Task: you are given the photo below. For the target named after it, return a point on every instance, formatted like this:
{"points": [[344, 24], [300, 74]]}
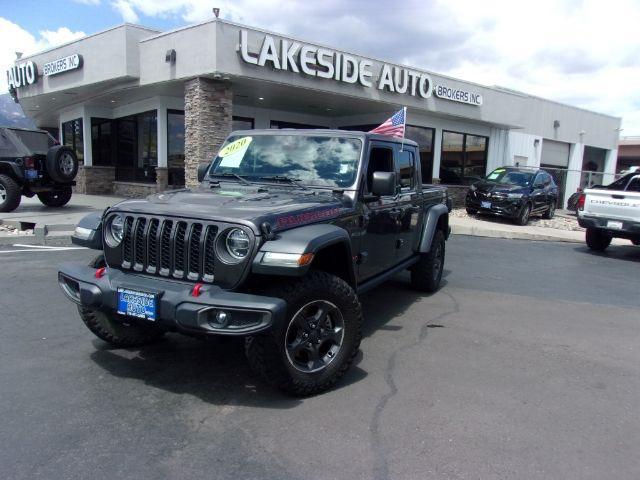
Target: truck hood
{"points": [[280, 207]]}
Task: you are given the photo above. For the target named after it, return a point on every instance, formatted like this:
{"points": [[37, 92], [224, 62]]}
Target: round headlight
{"points": [[238, 243], [115, 230]]}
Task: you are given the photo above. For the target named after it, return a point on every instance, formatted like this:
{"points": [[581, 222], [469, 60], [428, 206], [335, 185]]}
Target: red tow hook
{"points": [[100, 272], [196, 290]]}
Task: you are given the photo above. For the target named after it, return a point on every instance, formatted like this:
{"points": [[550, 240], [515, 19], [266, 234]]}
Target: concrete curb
{"points": [[495, 233], [39, 237]]}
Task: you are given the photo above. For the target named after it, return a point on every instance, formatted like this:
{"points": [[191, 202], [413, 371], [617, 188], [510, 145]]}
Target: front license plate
{"points": [[614, 225], [485, 204], [137, 304]]}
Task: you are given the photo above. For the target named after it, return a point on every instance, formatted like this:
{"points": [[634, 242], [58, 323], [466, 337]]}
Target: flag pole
{"points": [[404, 128]]}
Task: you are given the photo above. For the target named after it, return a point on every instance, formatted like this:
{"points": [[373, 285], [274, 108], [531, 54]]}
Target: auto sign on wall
{"points": [[61, 65], [457, 95]]}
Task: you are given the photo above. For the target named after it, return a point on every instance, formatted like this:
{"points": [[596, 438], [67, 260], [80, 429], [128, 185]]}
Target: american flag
{"points": [[393, 126]]}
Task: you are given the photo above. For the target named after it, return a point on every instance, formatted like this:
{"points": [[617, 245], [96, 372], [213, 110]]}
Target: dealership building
{"points": [[143, 108]]}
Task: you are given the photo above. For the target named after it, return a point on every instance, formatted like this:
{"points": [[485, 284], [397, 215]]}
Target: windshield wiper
{"points": [[243, 180], [284, 178]]}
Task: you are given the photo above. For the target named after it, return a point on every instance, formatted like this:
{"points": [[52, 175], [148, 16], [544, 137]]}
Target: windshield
{"points": [[36, 142], [510, 177], [312, 160]]}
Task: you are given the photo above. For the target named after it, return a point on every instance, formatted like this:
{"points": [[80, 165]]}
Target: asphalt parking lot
{"points": [[526, 364]]}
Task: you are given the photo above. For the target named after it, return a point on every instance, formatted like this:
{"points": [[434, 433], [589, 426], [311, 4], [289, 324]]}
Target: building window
{"points": [[242, 123], [137, 147], [463, 159], [175, 147], [101, 139], [72, 137], [423, 136]]}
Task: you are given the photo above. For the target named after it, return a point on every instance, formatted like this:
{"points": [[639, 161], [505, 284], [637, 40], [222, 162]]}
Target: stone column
{"points": [[162, 178], [207, 120]]}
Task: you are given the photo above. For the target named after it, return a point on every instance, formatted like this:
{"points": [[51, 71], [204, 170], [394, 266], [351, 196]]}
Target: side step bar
{"points": [[384, 276]]}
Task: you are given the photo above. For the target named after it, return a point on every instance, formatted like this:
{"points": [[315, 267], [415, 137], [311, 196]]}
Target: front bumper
{"points": [[503, 207], [629, 230], [177, 309]]}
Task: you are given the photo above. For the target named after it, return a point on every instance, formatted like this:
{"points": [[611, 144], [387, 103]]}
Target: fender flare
{"points": [[92, 239], [307, 239], [13, 170], [431, 219]]}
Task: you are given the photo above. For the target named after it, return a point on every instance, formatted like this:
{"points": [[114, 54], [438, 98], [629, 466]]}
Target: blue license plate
{"points": [[31, 174], [485, 204], [137, 304]]}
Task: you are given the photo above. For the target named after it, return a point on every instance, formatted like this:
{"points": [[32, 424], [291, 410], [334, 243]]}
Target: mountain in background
{"points": [[12, 115]]}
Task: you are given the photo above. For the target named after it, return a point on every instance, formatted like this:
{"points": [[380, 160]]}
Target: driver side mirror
{"points": [[202, 171], [383, 184]]}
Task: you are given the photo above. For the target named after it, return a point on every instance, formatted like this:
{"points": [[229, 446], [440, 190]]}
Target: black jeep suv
{"points": [[32, 163], [515, 193], [285, 230]]}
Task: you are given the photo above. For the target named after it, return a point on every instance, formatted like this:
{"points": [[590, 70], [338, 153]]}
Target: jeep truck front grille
{"points": [[178, 249]]}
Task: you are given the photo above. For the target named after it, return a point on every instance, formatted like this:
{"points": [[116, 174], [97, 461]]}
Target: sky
{"points": [[584, 53]]}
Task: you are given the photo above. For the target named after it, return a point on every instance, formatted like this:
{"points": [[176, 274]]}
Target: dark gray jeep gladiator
{"points": [[284, 232]]}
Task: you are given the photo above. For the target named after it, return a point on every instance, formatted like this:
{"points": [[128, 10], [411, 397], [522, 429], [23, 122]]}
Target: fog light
{"points": [[220, 320]]}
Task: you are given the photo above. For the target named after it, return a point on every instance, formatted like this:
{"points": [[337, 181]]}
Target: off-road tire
{"points": [[523, 216], [62, 164], [115, 330], [267, 353], [550, 212], [56, 198], [11, 192], [472, 211], [427, 273], [597, 239]]}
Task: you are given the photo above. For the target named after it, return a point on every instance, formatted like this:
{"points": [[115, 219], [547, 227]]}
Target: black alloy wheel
{"points": [[314, 336]]}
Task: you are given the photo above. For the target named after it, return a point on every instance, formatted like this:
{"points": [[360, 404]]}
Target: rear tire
{"points": [[523, 217], [317, 343], [551, 211], [56, 198], [427, 273], [10, 194], [472, 211], [597, 239]]}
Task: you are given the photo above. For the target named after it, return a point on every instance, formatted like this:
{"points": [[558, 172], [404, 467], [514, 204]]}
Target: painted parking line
{"points": [[39, 248]]}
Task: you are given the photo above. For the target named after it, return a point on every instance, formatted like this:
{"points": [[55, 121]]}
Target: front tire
{"points": [[56, 198], [10, 194], [317, 343], [427, 273], [597, 239], [115, 330]]}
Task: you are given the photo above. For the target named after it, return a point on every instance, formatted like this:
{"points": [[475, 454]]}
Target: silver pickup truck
{"points": [[611, 212]]}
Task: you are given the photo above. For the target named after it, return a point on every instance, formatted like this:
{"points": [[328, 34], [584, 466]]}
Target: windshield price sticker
{"points": [[494, 175], [233, 153]]}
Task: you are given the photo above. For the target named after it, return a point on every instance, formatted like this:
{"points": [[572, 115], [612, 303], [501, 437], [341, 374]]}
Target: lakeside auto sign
{"points": [[325, 63], [26, 73]]}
